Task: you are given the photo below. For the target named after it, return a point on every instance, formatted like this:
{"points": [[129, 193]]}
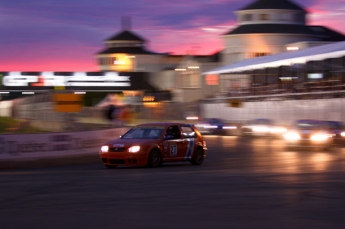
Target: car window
{"points": [[310, 125], [173, 131], [335, 125], [188, 132], [144, 133]]}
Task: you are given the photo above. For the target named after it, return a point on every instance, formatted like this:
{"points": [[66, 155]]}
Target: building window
{"points": [[258, 54], [189, 80], [264, 17], [247, 17]]}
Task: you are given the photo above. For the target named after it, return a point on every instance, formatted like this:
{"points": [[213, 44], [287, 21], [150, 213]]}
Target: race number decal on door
{"points": [[173, 150]]}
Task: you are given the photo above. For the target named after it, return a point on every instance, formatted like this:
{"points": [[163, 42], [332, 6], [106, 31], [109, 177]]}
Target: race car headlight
{"points": [[134, 149], [292, 136], [319, 137], [104, 149]]}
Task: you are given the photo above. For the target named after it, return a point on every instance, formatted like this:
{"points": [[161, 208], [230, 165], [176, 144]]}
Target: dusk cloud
{"points": [[65, 34]]}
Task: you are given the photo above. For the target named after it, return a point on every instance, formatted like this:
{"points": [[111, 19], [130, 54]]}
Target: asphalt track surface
{"points": [[243, 183]]}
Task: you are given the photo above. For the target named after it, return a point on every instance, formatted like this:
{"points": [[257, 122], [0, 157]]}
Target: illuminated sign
{"points": [[293, 48], [122, 62], [78, 79], [68, 102], [119, 62], [212, 80], [315, 76]]}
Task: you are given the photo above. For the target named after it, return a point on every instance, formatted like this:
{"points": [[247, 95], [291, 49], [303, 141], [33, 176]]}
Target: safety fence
{"points": [[284, 109], [38, 111]]}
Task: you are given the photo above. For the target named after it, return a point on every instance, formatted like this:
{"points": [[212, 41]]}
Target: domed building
{"points": [[265, 28], [268, 27]]}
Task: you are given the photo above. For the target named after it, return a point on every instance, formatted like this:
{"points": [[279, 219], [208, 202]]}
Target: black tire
{"points": [[198, 157], [155, 159], [111, 166]]}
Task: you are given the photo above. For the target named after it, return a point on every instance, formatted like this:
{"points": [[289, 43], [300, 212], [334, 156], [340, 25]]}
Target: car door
{"points": [[173, 145], [188, 141]]}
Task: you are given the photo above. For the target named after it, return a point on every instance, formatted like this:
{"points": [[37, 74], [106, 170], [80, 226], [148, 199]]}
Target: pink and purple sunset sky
{"points": [[65, 35]]}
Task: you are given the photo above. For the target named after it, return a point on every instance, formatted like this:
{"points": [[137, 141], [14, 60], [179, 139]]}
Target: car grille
{"points": [[305, 136], [117, 149], [116, 161]]}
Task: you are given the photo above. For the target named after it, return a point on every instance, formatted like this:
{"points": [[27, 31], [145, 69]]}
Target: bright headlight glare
{"points": [[261, 129], [342, 134], [134, 149], [278, 130], [104, 149], [319, 137], [230, 127], [210, 127], [292, 136]]}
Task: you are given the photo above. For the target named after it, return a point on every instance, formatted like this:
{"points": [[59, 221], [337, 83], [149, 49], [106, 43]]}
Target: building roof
{"points": [[327, 33], [126, 35], [272, 28], [273, 4], [323, 33], [334, 50], [128, 50]]}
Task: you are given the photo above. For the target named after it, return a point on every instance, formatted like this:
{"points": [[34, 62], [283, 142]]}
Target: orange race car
{"points": [[151, 144]]}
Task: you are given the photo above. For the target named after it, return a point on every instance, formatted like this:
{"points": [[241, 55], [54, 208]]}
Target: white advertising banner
{"points": [[35, 146]]}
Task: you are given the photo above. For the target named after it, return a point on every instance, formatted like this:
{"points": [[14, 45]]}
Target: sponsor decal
{"points": [[78, 79], [189, 149], [173, 150]]}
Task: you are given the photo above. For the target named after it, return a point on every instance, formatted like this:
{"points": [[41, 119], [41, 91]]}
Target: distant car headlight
{"points": [[292, 136], [104, 149], [230, 127], [261, 129], [342, 134], [134, 149], [278, 130], [210, 126], [319, 137]]}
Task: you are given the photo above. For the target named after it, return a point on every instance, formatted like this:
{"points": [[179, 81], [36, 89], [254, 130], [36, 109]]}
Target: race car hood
{"points": [[130, 142]]}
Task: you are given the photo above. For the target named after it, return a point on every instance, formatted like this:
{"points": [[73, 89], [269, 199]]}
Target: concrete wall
{"points": [[6, 108], [283, 112]]}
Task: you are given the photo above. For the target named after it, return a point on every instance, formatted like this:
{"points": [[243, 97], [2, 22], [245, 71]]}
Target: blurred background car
{"points": [[308, 134], [215, 126], [262, 127], [337, 130]]}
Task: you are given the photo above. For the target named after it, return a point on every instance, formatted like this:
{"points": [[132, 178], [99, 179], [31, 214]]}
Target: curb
{"points": [[50, 162]]}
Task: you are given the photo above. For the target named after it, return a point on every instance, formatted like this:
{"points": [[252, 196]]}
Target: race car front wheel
{"points": [[155, 159], [198, 157]]}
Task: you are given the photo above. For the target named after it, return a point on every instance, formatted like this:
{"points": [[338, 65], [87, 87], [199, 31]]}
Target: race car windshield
{"points": [[143, 133], [309, 126]]}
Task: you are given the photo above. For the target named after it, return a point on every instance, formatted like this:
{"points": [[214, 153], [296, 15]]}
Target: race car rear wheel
{"points": [[198, 157], [155, 159]]}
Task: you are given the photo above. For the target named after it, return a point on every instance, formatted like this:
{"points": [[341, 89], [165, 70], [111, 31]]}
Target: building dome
{"points": [[273, 4]]}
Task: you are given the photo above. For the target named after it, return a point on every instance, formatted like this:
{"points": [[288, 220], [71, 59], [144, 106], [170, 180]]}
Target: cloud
{"points": [[72, 31]]}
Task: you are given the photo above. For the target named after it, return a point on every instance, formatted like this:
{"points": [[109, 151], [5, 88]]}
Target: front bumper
{"points": [[124, 159]]}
